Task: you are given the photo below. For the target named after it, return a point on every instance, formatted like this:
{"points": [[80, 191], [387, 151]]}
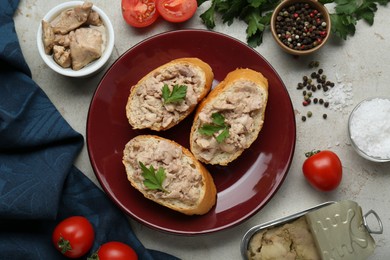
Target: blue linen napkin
{"points": [[39, 186]]}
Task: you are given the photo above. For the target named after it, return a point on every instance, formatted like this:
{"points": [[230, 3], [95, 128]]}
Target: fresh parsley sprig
{"points": [[153, 180], [177, 94], [349, 12], [257, 15], [217, 126]]}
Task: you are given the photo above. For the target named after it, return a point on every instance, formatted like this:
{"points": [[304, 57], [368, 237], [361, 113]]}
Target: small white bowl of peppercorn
{"points": [[300, 27]]}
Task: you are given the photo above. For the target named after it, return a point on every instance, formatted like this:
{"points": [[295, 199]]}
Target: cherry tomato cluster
{"points": [[74, 237], [142, 13]]}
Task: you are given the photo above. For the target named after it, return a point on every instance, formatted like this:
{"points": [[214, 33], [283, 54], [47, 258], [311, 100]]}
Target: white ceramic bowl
{"points": [[94, 66], [369, 127]]}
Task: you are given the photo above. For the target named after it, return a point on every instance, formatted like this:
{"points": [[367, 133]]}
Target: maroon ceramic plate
{"points": [[244, 186]]}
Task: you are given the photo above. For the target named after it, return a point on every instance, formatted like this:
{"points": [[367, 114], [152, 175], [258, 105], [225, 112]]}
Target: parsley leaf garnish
{"points": [[257, 15], [177, 94], [153, 180], [217, 126]]}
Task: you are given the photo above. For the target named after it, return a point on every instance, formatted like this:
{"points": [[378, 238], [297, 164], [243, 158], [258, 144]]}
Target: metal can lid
{"points": [[341, 232]]}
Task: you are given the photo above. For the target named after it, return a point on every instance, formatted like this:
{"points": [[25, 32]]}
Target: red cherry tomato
{"points": [[139, 13], [323, 170], [115, 251], [73, 236], [177, 10]]}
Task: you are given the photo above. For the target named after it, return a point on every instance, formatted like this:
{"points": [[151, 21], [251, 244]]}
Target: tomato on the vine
{"points": [[323, 170], [73, 236], [114, 251], [177, 11], [139, 13]]}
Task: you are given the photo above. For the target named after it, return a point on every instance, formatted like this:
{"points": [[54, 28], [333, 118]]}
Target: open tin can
{"points": [[332, 230]]}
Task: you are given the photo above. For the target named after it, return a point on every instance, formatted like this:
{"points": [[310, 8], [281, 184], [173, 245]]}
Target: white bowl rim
{"points": [[90, 68], [354, 145]]}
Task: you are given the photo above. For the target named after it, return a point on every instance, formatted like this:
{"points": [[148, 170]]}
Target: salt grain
{"points": [[370, 127], [340, 96]]}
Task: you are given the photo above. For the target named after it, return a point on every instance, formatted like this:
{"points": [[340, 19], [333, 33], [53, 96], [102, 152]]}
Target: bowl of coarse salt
{"points": [[369, 129]]}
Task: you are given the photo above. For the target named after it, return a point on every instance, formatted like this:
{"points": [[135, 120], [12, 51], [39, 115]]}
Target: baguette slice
{"points": [[189, 187], [145, 106], [241, 98]]}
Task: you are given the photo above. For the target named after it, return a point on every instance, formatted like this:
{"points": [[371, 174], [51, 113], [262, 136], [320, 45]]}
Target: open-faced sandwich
{"points": [[167, 173], [168, 94], [230, 118]]}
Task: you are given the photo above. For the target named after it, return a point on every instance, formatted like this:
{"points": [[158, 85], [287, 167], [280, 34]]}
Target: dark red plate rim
{"points": [[244, 186]]}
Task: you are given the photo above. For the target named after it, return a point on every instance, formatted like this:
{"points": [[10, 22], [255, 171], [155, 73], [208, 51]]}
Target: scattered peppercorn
{"points": [[314, 64], [309, 88]]}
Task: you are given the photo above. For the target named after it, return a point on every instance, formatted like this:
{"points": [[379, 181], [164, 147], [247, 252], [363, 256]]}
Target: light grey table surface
{"points": [[362, 63]]}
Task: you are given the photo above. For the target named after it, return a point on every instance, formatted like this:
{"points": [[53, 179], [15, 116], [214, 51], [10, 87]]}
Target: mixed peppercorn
{"points": [[316, 81], [300, 26]]}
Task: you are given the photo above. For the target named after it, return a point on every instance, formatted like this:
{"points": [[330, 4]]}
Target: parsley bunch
{"points": [[348, 12], [257, 15]]}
